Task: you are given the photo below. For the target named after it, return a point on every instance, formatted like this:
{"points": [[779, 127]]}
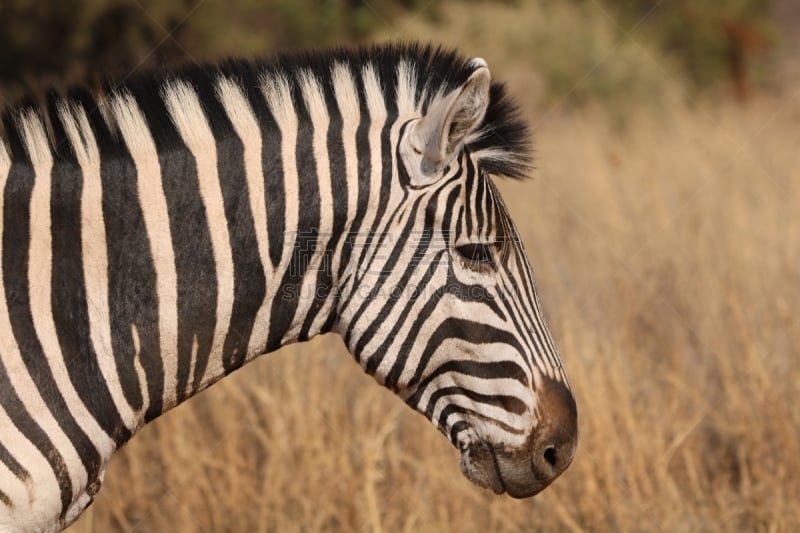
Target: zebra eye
{"points": [[476, 254]]}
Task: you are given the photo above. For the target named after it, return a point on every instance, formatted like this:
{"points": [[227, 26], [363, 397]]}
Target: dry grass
{"points": [[667, 258]]}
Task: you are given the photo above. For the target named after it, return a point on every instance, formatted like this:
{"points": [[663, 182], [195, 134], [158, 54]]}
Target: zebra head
{"points": [[448, 316]]}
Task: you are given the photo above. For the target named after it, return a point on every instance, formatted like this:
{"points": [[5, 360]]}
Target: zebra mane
{"points": [[501, 142]]}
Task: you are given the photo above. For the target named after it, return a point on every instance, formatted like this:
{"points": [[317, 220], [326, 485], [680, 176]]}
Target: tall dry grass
{"points": [[667, 256]]}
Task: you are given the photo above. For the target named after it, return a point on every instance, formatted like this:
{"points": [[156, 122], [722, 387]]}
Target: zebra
{"points": [[160, 232]]}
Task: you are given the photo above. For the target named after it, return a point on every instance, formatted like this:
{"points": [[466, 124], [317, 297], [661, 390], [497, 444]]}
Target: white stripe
{"points": [[346, 95], [279, 98], [40, 265], [5, 160], [318, 112], [29, 457], [17, 445], [137, 365], [40, 286], [488, 387], [134, 130], [406, 89], [421, 335], [246, 126], [344, 89], [95, 255], [377, 109], [189, 389], [41, 490], [187, 114], [377, 119], [530, 319]]}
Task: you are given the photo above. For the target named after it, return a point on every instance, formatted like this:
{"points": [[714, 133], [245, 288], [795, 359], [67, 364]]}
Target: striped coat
{"points": [[161, 233]]}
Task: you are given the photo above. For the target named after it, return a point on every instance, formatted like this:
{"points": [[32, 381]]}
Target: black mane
{"points": [[503, 141]]}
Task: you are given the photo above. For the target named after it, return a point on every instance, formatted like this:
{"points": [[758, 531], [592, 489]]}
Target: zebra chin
{"points": [[527, 470]]}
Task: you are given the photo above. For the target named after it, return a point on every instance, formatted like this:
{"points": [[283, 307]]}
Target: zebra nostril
{"points": [[550, 456], [553, 443]]}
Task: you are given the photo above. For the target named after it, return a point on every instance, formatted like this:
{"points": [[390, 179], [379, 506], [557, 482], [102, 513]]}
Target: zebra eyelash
{"points": [[478, 256]]}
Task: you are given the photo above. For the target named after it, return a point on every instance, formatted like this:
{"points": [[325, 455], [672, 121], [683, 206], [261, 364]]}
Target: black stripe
{"points": [[406, 235], [469, 197], [191, 242], [339, 190], [364, 176], [480, 369], [30, 429], [378, 355], [387, 75], [452, 409], [306, 237], [450, 203], [323, 285], [459, 230], [16, 241], [16, 150], [457, 428], [132, 290], [336, 162], [5, 456], [466, 330], [68, 299], [465, 293], [249, 283], [479, 194], [274, 185], [490, 210], [248, 77], [511, 404], [194, 265]]}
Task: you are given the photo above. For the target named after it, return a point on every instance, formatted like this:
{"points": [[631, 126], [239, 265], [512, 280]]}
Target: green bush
{"points": [[617, 52], [562, 53], [711, 40]]}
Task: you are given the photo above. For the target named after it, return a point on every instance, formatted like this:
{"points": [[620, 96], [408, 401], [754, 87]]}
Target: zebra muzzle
{"points": [[546, 454]]}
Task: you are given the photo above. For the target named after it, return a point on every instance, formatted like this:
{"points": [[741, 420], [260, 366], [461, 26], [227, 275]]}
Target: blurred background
{"points": [[663, 224], [616, 52]]}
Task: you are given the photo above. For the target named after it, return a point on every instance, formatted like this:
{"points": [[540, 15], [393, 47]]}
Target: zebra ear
{"points": [[438, 136]]}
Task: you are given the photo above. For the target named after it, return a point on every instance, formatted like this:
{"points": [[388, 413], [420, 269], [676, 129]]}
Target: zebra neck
{"points": [[220, 259], [174, 238], [281, 283]]}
